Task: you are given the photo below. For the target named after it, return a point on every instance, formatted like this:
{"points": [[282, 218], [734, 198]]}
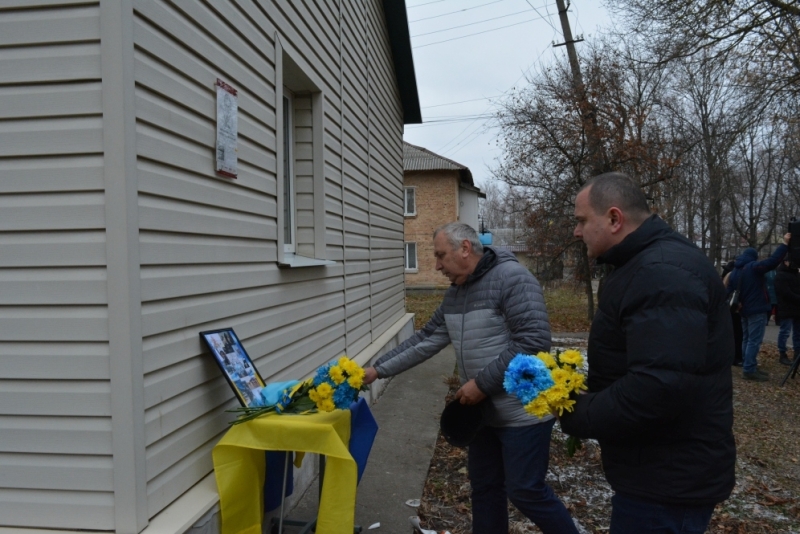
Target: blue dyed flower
{"points": [[526, 377], [323, 375], [344, 395]]}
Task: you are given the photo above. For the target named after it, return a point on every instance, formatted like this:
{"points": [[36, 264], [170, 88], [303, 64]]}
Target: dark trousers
{"points": [[632, 516], [737, 336], [510, 464]]}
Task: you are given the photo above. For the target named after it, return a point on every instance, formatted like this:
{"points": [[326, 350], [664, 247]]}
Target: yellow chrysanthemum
{"points": [[325, 391], [556, 393], [538, 407], [577, 381], [564, 405], [337, 374], [560, 376], [350, 367], [326, 405], [572, 357], [548, 359], [356, 380]]}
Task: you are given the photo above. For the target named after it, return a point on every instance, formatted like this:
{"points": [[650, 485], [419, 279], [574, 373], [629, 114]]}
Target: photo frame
{"points": [[235, 364]]}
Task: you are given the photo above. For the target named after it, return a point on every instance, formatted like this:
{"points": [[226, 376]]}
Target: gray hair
{"points": [[457, 232], [614, 189]]}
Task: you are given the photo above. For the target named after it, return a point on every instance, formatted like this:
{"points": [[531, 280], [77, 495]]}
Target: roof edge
{"points": [[400, 42], [465, 175]]}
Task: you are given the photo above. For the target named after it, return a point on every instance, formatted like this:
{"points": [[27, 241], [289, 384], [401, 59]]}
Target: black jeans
{"points": [[510, 463], [632, 516]]}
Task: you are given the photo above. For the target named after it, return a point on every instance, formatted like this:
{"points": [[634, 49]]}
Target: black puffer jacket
{"points": [[787, 287], [660, 351], [496, 314]]}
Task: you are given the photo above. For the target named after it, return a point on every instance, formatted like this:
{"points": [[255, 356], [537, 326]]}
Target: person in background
{"points": [[660, 399], [755, 301], [787, 286], [769, 281], [493, 310], [736, 318]]}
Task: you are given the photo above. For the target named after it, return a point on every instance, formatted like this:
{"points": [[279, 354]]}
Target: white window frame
{"points": [[413, 191], [295, 77], [415, 267], [287, 153]]}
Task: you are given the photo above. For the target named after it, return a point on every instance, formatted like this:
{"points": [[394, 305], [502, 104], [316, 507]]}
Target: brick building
{"points": [[437, 191]]}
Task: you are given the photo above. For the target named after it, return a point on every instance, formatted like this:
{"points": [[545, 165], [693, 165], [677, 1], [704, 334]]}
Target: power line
{"points": [[470, 137], [461, 102], [477, 33], [537, 12], [427, 4], [459, 118], [471, 23], [454, 12]]}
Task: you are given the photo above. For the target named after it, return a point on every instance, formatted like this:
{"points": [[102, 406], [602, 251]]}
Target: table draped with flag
{"points": [[343, 436]]}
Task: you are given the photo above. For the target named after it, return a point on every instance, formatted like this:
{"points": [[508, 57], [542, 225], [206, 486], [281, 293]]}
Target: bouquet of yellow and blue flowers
{"points": [[334, 386], [545, 383]]}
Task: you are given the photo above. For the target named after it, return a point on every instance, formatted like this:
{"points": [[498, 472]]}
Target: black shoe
{"points": [[785, 359], [755, 377], [762, 373], [738, 363]]}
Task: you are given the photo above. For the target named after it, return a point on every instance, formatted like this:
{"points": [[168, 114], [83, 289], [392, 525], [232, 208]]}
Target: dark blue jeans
{"points": [[753, 327], [510, 464], [632, 516], [789, 326]]}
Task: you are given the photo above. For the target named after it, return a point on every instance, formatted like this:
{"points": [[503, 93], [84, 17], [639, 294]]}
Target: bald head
{"points": [[614, 189], [608, 208]]}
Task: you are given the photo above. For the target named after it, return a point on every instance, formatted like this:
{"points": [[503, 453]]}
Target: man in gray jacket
{"points": [[493, 311]]}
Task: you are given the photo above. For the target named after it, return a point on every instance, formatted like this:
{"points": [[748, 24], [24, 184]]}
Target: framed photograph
{"points": [[235, 364]]}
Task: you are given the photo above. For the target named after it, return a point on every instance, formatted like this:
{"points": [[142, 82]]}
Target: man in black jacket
{"points": [[660, 349]]}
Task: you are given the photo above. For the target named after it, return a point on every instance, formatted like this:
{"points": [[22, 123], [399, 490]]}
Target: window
{"points": [[288, 170], [410, 203], [300, 194], [411, 256]]}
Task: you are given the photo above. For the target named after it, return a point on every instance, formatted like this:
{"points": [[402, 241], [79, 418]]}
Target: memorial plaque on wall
{"points": [[227, 129]]}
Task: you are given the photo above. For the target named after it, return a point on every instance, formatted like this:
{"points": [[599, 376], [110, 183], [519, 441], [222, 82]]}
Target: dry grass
{"points": [[766, 498], [422, 304], [566, 307]]}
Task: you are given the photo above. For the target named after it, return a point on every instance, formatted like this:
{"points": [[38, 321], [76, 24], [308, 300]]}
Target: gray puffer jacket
{"points": [[497, 313]]}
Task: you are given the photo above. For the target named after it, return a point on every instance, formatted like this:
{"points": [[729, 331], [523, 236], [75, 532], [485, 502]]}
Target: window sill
{"points": [[294, 261], [412, 271], [409, 215]]}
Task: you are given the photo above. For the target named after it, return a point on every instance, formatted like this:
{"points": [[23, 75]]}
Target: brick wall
{"points": [[437, 204]]}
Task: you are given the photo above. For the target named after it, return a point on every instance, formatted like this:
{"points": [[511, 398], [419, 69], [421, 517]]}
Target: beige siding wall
{"points": [[437, 204], [55, 426], [386, 171], [208, 244]]}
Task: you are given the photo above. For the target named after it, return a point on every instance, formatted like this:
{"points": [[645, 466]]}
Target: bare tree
{"points": [[764, 33], [546, 153]]}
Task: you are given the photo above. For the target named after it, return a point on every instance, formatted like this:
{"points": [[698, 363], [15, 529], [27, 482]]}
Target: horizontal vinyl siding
{"points": [[355, 177], [208, 243], [55, 428], [385, 166]]}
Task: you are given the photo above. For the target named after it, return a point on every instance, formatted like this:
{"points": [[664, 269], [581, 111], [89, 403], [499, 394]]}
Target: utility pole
{"points": [[569, 42], [586, 108], [589, 121]]}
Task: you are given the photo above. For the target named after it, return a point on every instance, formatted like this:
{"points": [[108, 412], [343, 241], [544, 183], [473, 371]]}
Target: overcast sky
{"points": [[468, 54]]}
